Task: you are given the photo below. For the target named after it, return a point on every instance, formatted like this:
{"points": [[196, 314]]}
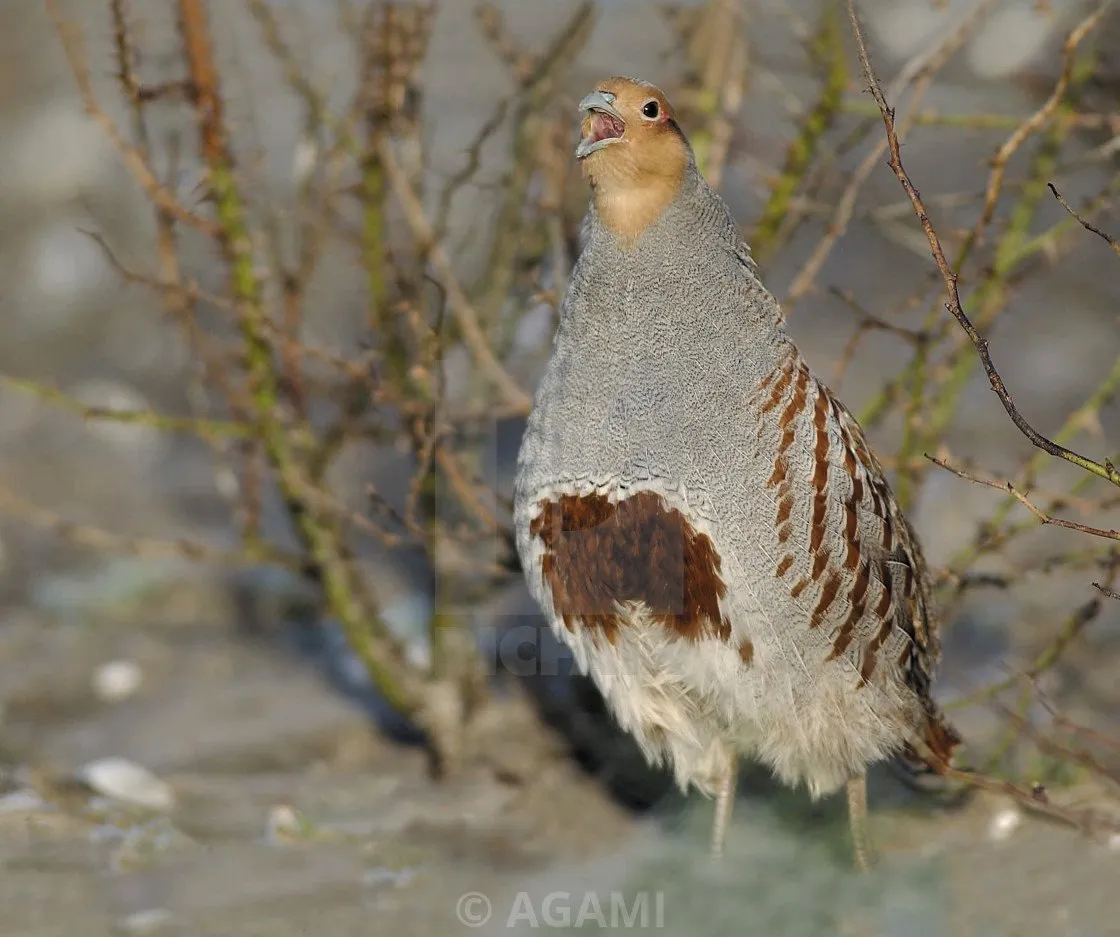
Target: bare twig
{"points": [[827, 51], [1104, 235], [492, 25], [1013, 245], [461, 308], [194, 426], [720, 51], [1092, 823], [1033, 123], [920, 72], [1040, 515], [1104, 470], [1012, 248], [282, 442], [534, 102], [1104, 590], [133, 158], [1059, 751], [94, 538]]}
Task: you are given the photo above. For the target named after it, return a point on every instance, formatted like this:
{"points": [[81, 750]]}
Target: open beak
{"points": [[603, 124]]}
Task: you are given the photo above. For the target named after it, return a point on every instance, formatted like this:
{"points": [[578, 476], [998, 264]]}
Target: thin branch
{"points": [[465, 315], [724, 55], [469, 497], [1112, 242], [204, 428], [94, 538], [826, 51], [534, 101], [133, 158], [1036, 799], [919, 71], [1047, 746], [1104, 590], [471, 165], [183, 291], [1104, 470], [492, 25], [1040, 515], [348, 596], [1032, 124]]}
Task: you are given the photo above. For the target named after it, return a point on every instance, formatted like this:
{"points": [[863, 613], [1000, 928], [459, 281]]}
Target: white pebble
{"points": [[124, 780], [1004, 823], [304, 160], [1114, 842], [227, 484], [116, 680], [24, 800], [382, 877], [283, 824], [146, 921]]}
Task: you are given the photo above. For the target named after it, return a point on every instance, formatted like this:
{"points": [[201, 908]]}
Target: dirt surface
{"points": [[292, 816]]}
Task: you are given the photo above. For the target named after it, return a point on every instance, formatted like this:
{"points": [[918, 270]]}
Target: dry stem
{"points": [[1102, 469]]}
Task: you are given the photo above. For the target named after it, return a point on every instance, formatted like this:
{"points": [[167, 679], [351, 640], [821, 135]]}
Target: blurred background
{"points": [[279, 280]]}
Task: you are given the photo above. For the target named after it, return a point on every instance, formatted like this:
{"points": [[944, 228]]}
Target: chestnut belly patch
{"points": [[598, 554]]}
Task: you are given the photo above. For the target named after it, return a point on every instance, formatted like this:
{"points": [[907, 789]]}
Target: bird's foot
{"points": [[857, 822], [725, 799]]}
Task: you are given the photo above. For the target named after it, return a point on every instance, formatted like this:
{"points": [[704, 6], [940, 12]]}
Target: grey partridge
{"points": [[701, 521]]}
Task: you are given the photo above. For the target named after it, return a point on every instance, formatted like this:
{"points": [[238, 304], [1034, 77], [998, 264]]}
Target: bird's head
{"points": [[632, 152]]}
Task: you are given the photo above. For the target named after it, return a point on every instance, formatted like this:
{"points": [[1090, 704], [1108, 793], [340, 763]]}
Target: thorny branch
{"points": [[1102, 469], [264, 421], [918, 72], [269, 389], [1104, 590], [1035, 798], [94, 538], [1088, 226], [461, 308], [1027, 128], [1011, 250], [193, 426], [1042, 516], [1093, 823], [135, 161]]}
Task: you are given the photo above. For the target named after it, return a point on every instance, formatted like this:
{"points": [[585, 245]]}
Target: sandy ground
{"points": [[247, 729]]}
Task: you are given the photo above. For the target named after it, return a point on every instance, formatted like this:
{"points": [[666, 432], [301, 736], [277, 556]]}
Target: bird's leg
{"points": [[725, 798], [857, 821]]}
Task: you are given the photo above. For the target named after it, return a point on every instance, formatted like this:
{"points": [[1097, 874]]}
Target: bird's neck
{"points": [[628, 205]]}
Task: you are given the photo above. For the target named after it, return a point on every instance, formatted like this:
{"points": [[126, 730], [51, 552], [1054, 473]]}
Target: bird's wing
{"points": [[842, 544]]}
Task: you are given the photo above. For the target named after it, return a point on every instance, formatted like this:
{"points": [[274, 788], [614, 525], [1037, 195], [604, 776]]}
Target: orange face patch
{"points": [[633, 154]]}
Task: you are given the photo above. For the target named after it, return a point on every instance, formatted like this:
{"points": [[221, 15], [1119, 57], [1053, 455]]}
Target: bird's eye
{"points": [[650, 110]]}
